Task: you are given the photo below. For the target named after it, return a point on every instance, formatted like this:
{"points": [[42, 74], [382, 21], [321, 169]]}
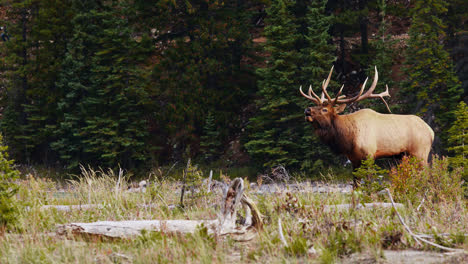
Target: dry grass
{"points": [[335, 235]]}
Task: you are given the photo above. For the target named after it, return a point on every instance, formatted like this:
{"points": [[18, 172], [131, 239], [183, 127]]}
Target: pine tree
{"points": [[370, 178], [275, 132], [50, 33], [384, 48], [383, 57], [34, 56], [431, 77], [7, 187], [457, 32], [17, 69], [210, 141], [103, 120], [200, 51], [349, 18], [318, 58], [278, 133], [458, 139]]}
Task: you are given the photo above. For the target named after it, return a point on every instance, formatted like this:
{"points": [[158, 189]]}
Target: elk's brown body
{"points": [[367, 133]]}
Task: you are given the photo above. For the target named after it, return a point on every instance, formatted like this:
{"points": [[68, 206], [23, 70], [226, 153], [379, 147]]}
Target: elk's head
{"points": [[327, 108]]}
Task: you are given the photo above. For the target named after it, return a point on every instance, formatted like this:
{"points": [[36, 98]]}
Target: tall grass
{"points": [[306, 225]]}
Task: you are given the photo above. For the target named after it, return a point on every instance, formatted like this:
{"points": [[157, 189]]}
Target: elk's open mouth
{"points": [[308, 118]]}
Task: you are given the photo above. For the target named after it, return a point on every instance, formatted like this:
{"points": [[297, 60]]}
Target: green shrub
{"points": [[458, 140], [371, 177], [192, 181], [298, 246], [341, 243], [7, 187]]}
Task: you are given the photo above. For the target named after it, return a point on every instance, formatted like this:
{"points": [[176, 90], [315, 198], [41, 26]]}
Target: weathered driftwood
{"points": [[208, 183], [225, 224], [127, 229], [68, 208], [77, 207], [303, 187], [366, 206]]}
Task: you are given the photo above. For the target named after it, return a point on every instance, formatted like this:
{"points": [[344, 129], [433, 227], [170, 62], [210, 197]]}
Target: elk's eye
{"points": [[324, 110]]}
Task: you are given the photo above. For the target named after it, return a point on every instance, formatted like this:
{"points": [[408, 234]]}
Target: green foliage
{"points": [[134, 82], [210, 141], [8, 188], [458, 139], [317, 56], [274, 135], [33, 62], [391, 235], [102, 121], [371, 177], [199, 71], [17, 67], [341, 243], [412, 182], [298, 246], [192, 181], [278, 134], [384, 47], [348, 15], [193, 176], [431, 77]]}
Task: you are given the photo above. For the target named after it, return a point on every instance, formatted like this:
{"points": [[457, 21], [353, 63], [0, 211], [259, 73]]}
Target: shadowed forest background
{"points": [[141, 84]]}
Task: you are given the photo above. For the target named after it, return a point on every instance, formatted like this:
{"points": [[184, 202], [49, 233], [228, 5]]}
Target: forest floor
{"points": [[314, 229]]}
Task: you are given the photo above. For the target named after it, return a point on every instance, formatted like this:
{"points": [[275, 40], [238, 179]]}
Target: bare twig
{"points": [[416, 237], [422, 201], [208, 185], [173, 165], [183, 184], [280, 231], [117, 186]]}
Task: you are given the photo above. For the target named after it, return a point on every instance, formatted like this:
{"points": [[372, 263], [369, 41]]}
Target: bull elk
{"points": [[365, 132]]}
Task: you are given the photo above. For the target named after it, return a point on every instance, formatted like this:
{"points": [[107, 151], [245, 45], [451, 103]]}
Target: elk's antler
{"points": [[341, 99], [321, 100], [311, 96]]}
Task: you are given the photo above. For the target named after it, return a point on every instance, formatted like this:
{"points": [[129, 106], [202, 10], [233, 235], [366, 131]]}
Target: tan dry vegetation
{"points": [[312, 234]]}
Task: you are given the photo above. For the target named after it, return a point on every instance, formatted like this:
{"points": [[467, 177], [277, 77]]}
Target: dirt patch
{"points": [[426, 257], [407, 257]]}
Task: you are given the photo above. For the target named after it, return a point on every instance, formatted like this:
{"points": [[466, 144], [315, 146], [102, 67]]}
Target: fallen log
{"points": [[77, 207], [127, 229], [225, 224], [366, 206]]}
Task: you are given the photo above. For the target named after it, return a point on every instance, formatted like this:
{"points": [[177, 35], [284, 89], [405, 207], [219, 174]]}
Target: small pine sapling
{"points": [[371, 177], [210, 141], [192, 180], [7, 187], [458, 140]]}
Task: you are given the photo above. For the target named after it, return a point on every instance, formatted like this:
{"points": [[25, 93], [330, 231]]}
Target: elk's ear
{"points": [[340, 108]]}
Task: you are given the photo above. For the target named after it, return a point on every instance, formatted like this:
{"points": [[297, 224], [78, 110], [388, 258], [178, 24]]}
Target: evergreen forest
{"points": [[138, 84]]}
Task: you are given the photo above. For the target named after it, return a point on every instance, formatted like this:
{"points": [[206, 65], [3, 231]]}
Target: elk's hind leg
{"points": [[422, 155]]}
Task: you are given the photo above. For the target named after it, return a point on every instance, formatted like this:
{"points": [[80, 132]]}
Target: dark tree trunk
{"points": [[342, 49], [363, 27]]}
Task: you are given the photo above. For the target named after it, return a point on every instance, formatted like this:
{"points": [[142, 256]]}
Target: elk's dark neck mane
{"points": [[338, 134]]}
